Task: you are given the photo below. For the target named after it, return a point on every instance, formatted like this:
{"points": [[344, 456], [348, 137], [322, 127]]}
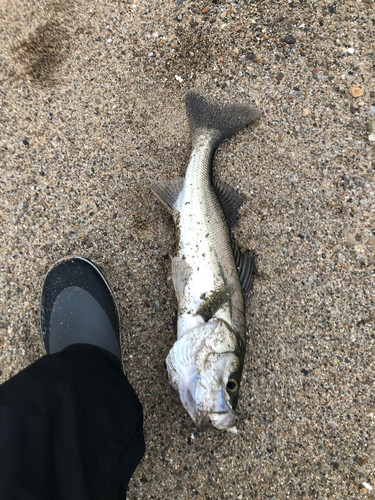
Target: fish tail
{"points": [[215, 119]]}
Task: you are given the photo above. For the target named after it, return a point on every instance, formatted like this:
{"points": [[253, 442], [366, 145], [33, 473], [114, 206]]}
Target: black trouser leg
{"points": [[70, 429]]}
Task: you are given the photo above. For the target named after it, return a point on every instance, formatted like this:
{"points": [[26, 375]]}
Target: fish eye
{"points": [[232, 385]]}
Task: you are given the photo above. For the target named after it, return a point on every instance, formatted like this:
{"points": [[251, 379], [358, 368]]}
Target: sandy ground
{"points": [[93, 106]]}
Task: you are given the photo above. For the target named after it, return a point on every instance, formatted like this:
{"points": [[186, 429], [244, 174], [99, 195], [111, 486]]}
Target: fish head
{"points": [[205, 368]]}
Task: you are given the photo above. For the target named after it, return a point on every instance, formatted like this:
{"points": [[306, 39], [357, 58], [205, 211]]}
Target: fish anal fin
{"points": [[230, 200], [168, 191], [245, 263]]}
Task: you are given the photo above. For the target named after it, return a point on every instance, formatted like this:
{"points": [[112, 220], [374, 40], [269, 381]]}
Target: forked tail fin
{"points": [[221, 121]]}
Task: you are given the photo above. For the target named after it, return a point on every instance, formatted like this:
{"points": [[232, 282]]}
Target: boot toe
{"points": [[77, 306]]}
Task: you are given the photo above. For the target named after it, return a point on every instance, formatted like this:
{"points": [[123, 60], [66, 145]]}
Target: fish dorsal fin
{"points": [[168, 191], [230, 200], [245, 263]]}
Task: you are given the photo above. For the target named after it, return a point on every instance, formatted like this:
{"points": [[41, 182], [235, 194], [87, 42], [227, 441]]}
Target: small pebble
{"points": [[371, 137], [333, 426], [355, 91], [305, 112], [372, 109], [349, 237], [205, 10], [351, 50], [289, 39], [367, 486]]}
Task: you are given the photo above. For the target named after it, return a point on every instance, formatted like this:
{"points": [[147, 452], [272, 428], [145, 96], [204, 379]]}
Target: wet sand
{"points": [[92, 106]]}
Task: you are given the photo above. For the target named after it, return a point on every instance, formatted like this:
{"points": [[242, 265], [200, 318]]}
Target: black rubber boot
{"points": [[78, 307]]}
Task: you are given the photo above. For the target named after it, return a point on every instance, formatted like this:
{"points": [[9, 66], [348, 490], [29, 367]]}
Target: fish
{"points": [[211, 277]]}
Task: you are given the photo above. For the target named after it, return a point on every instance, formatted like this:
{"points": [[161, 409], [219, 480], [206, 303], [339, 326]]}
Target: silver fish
{"points": [[212, 281]]}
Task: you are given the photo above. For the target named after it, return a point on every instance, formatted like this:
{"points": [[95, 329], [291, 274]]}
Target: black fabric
{"points": [[70, 428]]}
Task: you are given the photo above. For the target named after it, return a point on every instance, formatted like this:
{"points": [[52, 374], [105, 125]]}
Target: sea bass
{"points": [[212, 279]]}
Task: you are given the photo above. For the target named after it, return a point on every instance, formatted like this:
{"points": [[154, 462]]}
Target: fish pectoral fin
{"points": [[245, 263], [230, 200], [168, 191]]}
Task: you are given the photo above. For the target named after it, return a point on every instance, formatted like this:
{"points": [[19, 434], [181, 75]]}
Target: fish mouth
{"points": [[223, 419], [220, 420]]}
